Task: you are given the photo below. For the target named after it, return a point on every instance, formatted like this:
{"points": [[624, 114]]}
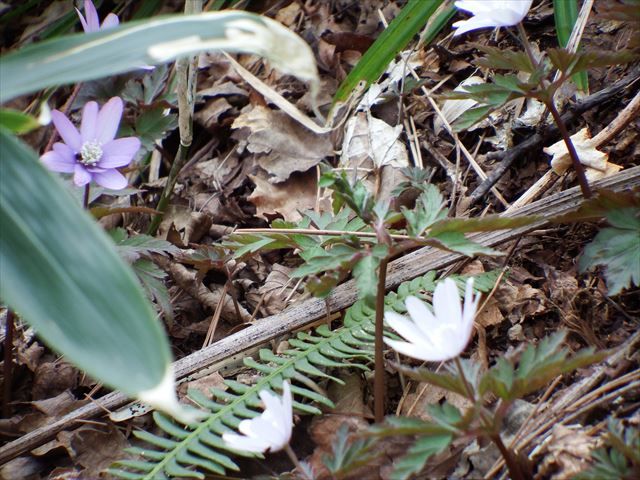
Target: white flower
{"points": [[491, 13], [271, 430], [439, 337]]}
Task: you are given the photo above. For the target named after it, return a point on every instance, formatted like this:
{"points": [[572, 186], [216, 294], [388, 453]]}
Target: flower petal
{"points": [[470, 307], [85, 27], [419, 352], [240, 442], [57, 163], [109, 120], [111, 179], [80, 175], [287, 407], [120, 152], [89, 120], [473, 23], [68, 132], [405, 327], [110, 21], [446, 303], [421, 315], [65, 151], [93, 22]]}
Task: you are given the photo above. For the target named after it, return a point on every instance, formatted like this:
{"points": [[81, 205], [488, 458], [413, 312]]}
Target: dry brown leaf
{"points": [[596, 162], [53, 378], [209, 116], [204, 384], [567, 452], [282, 145], [94, 449], [369, 139], [276, 289], [520, 301], [182, 226], [287, 199], [415, 404]]}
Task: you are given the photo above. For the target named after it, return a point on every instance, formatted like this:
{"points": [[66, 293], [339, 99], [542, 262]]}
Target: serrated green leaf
{"points": [[151, 277], [500, 59], [457, 242], [132, 248], [618, 249], [418, 455], [428, 210]]}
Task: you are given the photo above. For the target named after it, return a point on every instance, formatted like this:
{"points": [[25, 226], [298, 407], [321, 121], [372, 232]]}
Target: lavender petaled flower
{"points": [[93, 153], [91, 23]]}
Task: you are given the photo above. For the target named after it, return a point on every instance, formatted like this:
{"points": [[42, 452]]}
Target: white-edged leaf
{"points": [[81, 57]]}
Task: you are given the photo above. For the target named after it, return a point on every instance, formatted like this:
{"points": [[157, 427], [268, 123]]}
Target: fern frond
{"points": [[200, 446]]}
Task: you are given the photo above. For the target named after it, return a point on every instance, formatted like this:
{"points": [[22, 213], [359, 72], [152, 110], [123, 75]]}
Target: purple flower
{"points": [[92, 22], [92, 153]]}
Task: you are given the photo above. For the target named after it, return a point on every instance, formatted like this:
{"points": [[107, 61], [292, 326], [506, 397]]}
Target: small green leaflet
{"points": [[618, 249]]}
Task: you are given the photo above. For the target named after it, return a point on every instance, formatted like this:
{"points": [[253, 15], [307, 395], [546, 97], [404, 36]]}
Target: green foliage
{"points": [[132, 248], [500, 59], [619, 459], [536, 367], [572, 63], [419, 453], [565, 14], [152, 279], [618, 249], [430, 207], [310, 357], [433, 437], [17, 122], [348, 455], [391, 41], [355, 195]]}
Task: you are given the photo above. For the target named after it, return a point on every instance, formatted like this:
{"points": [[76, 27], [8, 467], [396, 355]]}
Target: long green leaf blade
{"points": [[565, 13], [400, 31], [60, 272]]}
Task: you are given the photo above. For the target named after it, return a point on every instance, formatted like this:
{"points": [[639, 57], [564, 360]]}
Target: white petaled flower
{"points": [[271, 430], [438, 336], [491, 13]]}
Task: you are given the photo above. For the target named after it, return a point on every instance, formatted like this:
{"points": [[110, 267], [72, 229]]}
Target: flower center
{"points": [[90, 153]]}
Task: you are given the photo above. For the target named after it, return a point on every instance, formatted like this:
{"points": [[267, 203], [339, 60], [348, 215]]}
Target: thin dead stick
{"points": [[300, 316], [215, 318], [313, 231]]}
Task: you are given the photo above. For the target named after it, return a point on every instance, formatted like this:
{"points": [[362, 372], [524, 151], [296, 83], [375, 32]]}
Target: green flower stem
{"points": [[515, 468], [186, 73], [527, 45], [549, 103], [294, 459]]}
